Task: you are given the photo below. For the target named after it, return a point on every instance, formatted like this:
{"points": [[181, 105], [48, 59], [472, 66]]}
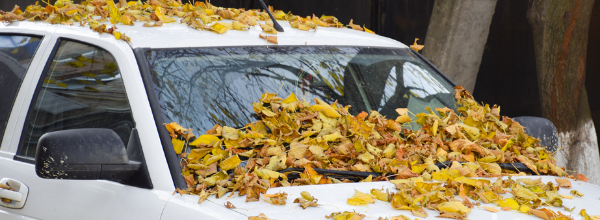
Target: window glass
{"points": [[16, 53], [82, 88], [201, 87]]}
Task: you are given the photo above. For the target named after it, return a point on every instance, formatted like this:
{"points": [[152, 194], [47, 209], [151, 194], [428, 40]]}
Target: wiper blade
{"points": [[519, 167], [337, 174]]}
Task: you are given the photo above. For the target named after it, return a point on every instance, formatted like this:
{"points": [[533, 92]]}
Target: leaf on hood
{"points": [[261, 216], [345, 216], [354, 26], [277, 198], [380, 195], [360, 198], [453, 210], [270, 39], [490, 209], [229, 205], [564, 183]]}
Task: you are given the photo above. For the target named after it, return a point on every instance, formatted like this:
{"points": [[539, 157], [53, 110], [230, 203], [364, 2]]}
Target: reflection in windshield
{"points": [[199, 88]]}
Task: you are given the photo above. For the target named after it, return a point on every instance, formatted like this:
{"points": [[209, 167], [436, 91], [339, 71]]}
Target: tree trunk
{"points": [[456, 37], [560, 35]]}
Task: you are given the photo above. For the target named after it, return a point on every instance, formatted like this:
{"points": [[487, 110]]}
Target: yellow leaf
{"points": [[297, 150], [403, 119], [566, 196], [205, 139], [269, 174], [115, 15], [327, 110], [230, 163], [212, 180], [163, 18], [196, 154], [307, 196], [454, 207], [524, 193], [379, 194], [368, 31], [492, 168], [434, 128], [360, 198], [117, 35], [239, 26], [291, 98], [230, 133], [177, 145], [221, 27], [510, 202], [268, 28]]}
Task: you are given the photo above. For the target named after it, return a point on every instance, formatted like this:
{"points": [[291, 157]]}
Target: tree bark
{"points": [[560, 35], [456, 37]]}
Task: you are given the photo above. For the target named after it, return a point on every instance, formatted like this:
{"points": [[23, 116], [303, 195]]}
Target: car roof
{"points": [[178, 35]]}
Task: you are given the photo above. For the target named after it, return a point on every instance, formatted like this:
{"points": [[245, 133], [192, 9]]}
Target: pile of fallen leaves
{"points": [[294, 134], [198, 15]]}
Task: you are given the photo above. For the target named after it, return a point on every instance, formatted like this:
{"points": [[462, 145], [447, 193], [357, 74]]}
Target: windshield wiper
{"points": [[337, 174], [275, 24]]}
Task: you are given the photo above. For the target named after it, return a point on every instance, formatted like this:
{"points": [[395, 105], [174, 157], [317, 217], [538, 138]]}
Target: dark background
{"points": [[507, 75]]}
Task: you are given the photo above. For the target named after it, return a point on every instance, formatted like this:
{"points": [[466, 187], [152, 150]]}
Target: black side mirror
{"points": [[540, 128], [91, 154]]}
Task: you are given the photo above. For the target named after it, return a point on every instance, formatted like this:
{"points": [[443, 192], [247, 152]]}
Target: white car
{"points": [[60, 77]]}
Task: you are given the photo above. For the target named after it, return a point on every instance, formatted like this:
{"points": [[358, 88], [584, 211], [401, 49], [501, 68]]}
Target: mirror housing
{"points": [[91, 154], [541, 128]]}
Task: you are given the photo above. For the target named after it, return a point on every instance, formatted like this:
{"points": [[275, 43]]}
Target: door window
{"points": [[16, 53], [81, 88]]}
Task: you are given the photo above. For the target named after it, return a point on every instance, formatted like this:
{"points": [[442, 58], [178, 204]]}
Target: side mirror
{"points": [[91, 154], [540, 128]]}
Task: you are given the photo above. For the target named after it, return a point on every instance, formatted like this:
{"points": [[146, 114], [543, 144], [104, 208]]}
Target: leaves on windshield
{"points": [[197, 15], [428, 167]]}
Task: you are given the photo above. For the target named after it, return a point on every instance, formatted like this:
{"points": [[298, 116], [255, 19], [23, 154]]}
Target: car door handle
{"points": [[13, 193]]}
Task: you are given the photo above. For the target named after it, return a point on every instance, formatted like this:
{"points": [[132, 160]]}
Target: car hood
{"points": [[333, 197]]}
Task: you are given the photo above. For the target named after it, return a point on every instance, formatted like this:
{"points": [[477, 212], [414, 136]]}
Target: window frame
{"points": [[12, 105], [38, 87]]}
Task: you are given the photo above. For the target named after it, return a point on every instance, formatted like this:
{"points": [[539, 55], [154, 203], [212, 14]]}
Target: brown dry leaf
{"points": [[354, 26], [305, 204], [229, 205], [416, 46], [277, 198], [271, 39], [539, 213], [582, 177], [564, 183], [261, 216], [345, 216]]}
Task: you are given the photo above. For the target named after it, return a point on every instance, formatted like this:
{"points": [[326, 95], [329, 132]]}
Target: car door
{"points": [[78, 83]]}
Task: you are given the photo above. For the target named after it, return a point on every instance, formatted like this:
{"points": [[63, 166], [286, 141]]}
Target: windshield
{"points": [[199, 88]]}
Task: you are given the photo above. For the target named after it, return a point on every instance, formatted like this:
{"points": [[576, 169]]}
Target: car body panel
{"points": [[333, 197]]}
